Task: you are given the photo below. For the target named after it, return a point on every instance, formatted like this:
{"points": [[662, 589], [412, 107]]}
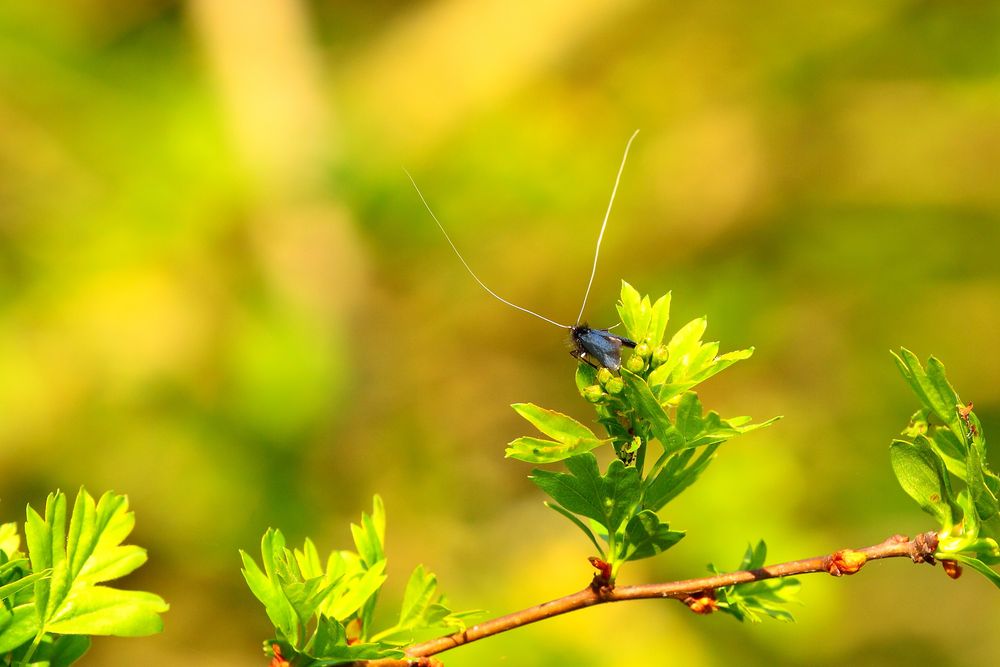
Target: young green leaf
{"points": [[536, 450], [678, 473], [640, 397], [922, 475], [607, 498], [266, 587], [69, 602], [658, 320], [570, 436], [646, 536], [635, 312], [931, 387], [753, 600], [554, 424]]}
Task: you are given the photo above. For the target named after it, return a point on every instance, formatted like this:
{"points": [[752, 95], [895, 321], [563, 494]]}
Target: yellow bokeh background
{"points": [[220, 295]]}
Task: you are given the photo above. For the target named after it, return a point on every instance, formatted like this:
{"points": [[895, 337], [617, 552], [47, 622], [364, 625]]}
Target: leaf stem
{"points": [[846, 561]]}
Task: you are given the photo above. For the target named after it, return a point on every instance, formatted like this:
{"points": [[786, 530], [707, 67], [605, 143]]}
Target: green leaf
{"points": [[922, 475], [554, 424], [8, 591], [266, 588], [68, 601], [536, 450], [635, 312], [641, 398], [753, 600], [20, 625], [10, 541], [60, 651], [101, 610], [680, 471], [607, 498], [646, 536], [681, 349], [369, 537], [658, 320], [932, 387], [359, 592], [579, 524], [330, 647], [420, 590], [571, 437]]}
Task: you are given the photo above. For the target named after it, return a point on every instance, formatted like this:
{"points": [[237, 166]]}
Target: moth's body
{"points": [[600, 345]]}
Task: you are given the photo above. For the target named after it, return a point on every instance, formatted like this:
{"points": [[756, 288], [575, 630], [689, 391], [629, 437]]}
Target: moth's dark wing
{"points": [[627, 342], [605, 347]]}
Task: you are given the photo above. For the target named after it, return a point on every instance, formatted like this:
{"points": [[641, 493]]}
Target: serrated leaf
{"points": [[358, 592], [646, 536], [583, 490], [931, 387], [420, 591], [635, 312], [641, 398], [554, 424], [658, 320], [101, 610], [8, 591], [10, 541], [922, 475], [68, 602], [579, 524], [330, 647], [679, 472], [60, 651], [680, 350], [536, 450], [20, 627], [266, 588]]}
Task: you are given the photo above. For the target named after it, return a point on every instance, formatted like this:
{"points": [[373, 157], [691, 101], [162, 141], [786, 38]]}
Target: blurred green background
{"points": [[220, 295]]}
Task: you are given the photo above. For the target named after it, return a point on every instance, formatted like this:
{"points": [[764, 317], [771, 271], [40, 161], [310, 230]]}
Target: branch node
{"points": [[924, 547]]}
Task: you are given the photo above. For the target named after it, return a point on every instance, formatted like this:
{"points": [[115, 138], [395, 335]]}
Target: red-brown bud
{"points": [[846, 561]]}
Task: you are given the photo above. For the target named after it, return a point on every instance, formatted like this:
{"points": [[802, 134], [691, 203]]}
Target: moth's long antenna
{"points": [[600, 237], [469, 269]]}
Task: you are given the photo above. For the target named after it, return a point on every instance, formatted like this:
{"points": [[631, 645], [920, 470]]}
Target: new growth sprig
{"points": [[660, 435], [657, 440]]}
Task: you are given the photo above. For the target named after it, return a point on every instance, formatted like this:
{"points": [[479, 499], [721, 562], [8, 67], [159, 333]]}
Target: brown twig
{"points": [[846, 561]]}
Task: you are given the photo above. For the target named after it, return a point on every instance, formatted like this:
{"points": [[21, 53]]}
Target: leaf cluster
{"points": [[323, 612], [941, 463], [52, 597], [767, 597], [649, 410]]}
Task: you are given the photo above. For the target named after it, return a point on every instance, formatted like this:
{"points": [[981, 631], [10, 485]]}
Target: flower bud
{"points": [[614, 386], [643, 350], [635, 363], [604, 376], [594, 393], [660, 354]]}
